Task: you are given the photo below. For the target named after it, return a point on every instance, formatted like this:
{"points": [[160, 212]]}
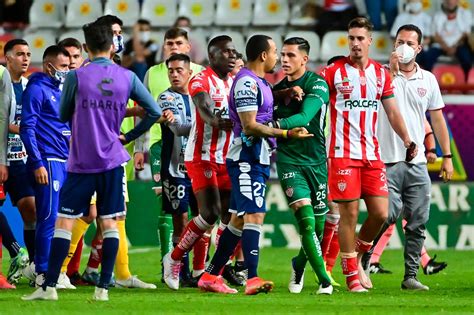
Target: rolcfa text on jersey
{"points": [[363, 103]]}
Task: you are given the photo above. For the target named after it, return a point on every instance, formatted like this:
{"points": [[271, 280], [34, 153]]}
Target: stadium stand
{"points": [[127, 10], [333, 43], [233, 12], [201, 12], [80, 12], [313, 40], [271, 12], [237, 39], [160, 13], [38, 42], [47, 14]]}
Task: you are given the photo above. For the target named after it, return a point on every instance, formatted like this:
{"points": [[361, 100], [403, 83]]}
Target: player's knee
{"points": [[209, 216]]}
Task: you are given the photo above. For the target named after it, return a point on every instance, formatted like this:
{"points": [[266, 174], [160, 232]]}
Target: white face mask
{"points": [[414, 7], [118, 43], [406, 53], [59, 75], [144, 36]]}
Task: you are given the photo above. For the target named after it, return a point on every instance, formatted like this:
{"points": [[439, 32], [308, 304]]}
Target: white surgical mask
{"points": [[59, 75], [144, 36], [406, 53], [414, 7], [118, 43]]}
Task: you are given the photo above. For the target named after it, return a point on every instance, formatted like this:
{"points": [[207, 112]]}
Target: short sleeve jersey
{"points": [[355, 100], [207, 143]]}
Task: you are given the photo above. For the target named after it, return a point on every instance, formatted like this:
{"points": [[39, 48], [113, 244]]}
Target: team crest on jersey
{"points": [[289, 192], [56, 185], [259, 201], [175, 204], [421, 92], [208, 173], [341, 185], [157, 177]]}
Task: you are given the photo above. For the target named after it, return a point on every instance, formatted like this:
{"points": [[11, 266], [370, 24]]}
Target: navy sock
{"points": [[29, 236], [109, 254], [227, 243], [184, 272], [8, 238], [59, 249], [250, 248]]}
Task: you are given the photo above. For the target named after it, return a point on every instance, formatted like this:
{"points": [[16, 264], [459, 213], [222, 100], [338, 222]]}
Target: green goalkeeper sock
{"points": [[310, 242], [165, 231], [319, 221]]}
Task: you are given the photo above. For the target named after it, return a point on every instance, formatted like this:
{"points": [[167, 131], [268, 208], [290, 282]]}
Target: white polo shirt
{"points": [[414, 97], [452, 30]]}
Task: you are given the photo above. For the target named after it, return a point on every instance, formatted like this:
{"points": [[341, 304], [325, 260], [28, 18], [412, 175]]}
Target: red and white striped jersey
{"points": [[206, 143], [355, 99]]}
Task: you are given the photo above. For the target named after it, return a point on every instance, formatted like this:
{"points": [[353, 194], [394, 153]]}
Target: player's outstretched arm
{"points": [[203, 103]]}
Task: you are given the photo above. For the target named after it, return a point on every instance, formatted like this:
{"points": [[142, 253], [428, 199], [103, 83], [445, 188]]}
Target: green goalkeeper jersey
{"points": [[309, 113]]}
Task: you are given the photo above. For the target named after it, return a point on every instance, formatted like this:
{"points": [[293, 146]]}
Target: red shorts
{"points": [[205, 174], [352, 179]]}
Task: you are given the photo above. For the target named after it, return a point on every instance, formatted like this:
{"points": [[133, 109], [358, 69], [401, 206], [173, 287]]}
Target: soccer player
{"points": [[301, 164], [178, 194], [157, 81], [206, 151], [5, 102], [358, 86], [248, 162], [74, 48], [19, 184], [94, 101], [409, 184], [46, 140]]}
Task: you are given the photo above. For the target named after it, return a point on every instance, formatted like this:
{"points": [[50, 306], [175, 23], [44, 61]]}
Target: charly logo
{"points": [[102, 89]]}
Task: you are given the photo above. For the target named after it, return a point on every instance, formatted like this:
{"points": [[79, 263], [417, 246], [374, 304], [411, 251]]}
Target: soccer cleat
{"points": [[334, 283], [378, 268], [433, 266], [325, 290], [76, 279], [29, 272], [171, 270], [191, 282], [296, 279], [240, 270], [100, 294], [257, 285], [49, 293], [64, 282], [212, 283], [91, 277], [231, 276], [39, 280], [413, 284], [18, 263], [4, 283], [134, 282]]}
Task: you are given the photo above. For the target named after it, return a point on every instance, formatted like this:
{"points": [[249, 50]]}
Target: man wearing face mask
{"points": [[409, 184], [140, 51], [46, 140]]}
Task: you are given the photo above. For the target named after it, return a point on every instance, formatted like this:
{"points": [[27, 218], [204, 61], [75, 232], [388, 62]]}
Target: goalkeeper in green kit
{"points": [[301, 100]]}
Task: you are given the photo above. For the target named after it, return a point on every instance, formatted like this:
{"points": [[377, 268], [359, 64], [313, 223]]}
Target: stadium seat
{"points": [[237, 39], [38, 42], [299, 15], [3, 40], [160, 12], [201, 12], [313, 40], [276, 36], [47, 13], [429, 6], [448, 74], [334, 43], [77, 34], [233, 12], [127, 10], [271, 12], [381, 47], [80, 12]]}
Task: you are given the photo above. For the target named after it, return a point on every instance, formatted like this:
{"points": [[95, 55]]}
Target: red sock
{"points": [[75, 262], [362, 246], [350, 270], [333, 252], [200, 252], [329, 228], [381, 244], [220, 230], [95, 258], [191, 234]]}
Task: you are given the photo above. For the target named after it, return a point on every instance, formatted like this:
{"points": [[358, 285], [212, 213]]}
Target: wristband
{"points": [[433, 150], [285, 134], [447, 156]]}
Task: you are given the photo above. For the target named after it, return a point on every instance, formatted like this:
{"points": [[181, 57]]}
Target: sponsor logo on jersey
{"points": [[289, 192], [341, 185], [421, 92], [344, 172], [320, 87], [363, 103], [344, 89], [320, 206], [196, 84]]}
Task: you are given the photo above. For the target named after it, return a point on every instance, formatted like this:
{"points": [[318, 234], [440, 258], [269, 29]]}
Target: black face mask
{"points": [[448, 11]]}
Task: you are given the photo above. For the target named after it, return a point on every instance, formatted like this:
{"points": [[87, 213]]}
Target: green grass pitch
{"points": [[451, 291]]}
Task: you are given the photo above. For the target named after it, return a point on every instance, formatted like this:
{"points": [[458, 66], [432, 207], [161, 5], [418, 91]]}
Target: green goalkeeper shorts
{"points": [[305, 182], [155, 163]]}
